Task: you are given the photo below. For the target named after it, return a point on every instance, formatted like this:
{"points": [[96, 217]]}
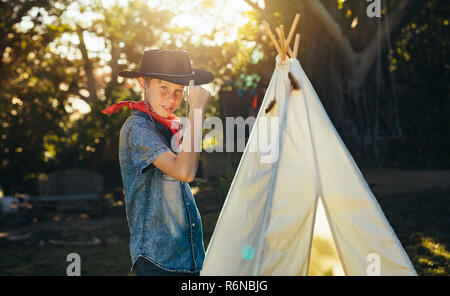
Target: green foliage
{"points": [[39, 132], [421, 66], [30, 101]]}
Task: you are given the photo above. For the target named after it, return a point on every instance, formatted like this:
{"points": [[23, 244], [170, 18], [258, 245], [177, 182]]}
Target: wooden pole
{"points": [[272, 38], [289, 50], [284, 47], [282, 40], [297, 41], [292, 31]]}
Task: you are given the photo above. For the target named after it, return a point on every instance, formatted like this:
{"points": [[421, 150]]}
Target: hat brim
{"points": [[199, 76]]}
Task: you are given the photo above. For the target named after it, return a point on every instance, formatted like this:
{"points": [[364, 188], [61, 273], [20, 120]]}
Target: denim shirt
{"points": [[164, 222]]}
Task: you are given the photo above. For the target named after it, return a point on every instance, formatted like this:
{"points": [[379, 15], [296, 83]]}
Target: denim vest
{"points": [[164, 222]]}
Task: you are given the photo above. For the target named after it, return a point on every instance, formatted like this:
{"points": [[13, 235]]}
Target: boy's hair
{"points": [[146, 80]]}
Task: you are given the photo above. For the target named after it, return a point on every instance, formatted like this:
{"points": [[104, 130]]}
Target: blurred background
{"points": [[383, 82]]}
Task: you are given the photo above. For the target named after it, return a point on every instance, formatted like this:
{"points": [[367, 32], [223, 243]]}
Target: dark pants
{"points": [[144, 268]]}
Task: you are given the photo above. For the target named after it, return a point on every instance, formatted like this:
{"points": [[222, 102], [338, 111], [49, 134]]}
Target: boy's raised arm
{"points": [[183, 166]]}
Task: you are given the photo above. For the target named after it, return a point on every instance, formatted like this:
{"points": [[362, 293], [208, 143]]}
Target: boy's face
{"points": [[165, 97]]}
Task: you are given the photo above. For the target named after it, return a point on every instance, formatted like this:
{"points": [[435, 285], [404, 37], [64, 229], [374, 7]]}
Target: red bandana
{"points": [[172, 122]]}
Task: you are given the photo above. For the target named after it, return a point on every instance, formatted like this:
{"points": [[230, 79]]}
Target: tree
{"points": [[29, 88], [340, 45]]}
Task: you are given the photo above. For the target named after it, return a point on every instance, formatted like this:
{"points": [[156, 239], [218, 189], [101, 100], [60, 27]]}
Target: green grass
{"points": [[38, 256], [51, 260], [420, 221]]}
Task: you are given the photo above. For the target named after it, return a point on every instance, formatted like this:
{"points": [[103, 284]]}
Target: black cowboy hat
{"points": [[169, 65]]}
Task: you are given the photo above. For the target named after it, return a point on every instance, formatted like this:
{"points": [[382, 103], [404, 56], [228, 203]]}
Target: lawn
{"points": [[420, 220]]}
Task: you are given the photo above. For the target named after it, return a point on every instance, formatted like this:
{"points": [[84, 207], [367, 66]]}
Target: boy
{"points": [[165, 224]]}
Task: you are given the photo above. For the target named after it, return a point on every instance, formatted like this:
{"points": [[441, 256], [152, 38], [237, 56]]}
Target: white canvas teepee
{"points": [[267, 221]]}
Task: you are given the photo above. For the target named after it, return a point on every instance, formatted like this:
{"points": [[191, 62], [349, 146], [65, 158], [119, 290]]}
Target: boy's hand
{"points": [[198, 96]]}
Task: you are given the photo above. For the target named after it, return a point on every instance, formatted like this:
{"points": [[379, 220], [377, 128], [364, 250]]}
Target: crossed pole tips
{"points": [[283, 47]]}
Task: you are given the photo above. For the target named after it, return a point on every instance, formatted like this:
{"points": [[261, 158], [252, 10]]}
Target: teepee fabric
{"points": [[266, 224]]}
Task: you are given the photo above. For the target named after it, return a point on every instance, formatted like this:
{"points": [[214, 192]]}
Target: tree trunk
{"points": [[339, 66], [88, 68], [361, 62]]}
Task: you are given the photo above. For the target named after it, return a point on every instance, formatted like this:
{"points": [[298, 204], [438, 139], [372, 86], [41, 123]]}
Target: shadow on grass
{"points": [[420, 221]]}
